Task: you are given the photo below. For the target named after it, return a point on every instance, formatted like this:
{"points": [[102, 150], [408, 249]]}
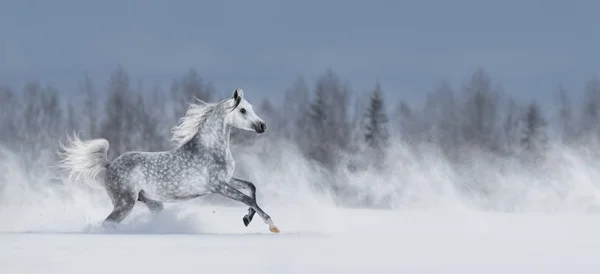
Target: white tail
{"points": [[84, 160]]}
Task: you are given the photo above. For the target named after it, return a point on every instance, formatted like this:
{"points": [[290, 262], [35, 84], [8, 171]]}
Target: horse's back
{"points": [[134, 159], [132, 166], [164, 176]]}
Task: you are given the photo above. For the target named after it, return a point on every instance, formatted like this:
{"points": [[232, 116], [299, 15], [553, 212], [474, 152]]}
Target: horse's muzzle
{"points": [[260, 127]]}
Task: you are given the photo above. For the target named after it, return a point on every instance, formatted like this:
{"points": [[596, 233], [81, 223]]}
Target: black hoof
{"points": [[246, 220]]}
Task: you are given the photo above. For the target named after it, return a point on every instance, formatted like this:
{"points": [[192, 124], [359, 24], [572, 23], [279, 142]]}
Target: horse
{"points": [[201, 163]]}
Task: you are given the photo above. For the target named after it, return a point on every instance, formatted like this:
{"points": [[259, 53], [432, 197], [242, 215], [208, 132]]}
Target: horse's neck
{"points": [[213, 134]]}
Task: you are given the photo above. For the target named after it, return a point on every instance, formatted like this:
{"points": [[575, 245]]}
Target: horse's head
{"points": [[242, 116]]}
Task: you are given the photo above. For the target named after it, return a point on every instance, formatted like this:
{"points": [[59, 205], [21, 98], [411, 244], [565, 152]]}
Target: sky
{"points": [[528, 47]]}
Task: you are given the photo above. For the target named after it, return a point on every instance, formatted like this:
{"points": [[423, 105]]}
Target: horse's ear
{"points": [[238, 92]]}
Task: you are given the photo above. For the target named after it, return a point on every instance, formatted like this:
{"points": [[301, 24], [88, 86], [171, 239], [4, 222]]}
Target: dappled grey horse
{"points": [[201, 163]]}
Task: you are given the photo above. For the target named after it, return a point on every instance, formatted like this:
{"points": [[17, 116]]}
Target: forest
{"points": [[477, 129]]}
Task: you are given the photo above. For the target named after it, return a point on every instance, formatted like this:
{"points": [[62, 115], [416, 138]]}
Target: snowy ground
{"points": [[212, 239]]}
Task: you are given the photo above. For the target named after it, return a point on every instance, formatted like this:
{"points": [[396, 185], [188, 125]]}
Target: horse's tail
{"points": [[84, 160]]}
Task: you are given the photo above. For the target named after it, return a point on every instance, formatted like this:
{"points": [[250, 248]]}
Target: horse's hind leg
{"points": [[238, 183], [154, 206], [123, 205], [230, 192]]}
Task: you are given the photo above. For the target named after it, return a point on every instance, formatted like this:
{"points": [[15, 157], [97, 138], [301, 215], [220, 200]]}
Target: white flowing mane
{"points": [[190, 124]]}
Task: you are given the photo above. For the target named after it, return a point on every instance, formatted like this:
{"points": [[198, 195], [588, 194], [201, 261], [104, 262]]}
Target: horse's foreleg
{"points": [[238, 183], [229, 191]]}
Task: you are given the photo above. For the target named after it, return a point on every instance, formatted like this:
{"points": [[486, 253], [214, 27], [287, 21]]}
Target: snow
{"points": [[212, 239], [48, 226]]}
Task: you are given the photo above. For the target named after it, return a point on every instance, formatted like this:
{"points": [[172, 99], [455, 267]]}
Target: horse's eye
{"points": [[243, 110]]}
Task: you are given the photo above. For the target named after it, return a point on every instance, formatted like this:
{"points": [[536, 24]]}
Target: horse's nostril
{"points": [[263, 126]]}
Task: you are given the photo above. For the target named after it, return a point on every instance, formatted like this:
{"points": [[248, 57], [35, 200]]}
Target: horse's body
{"points": [[200, 164]]}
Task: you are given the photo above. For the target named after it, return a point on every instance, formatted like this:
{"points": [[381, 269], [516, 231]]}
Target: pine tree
{"points": [[376, 135], [534, 137]]}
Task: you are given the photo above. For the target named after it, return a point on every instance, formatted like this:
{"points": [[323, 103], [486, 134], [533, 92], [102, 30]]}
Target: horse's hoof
{"points": [[274, 229], [246, 220]]}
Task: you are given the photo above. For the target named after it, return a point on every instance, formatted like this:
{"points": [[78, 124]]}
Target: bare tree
{"points": [[480, 112], [43, 121], [409, 125], [359, 120], [9, 117], [329, 125], [319, 120], [296, 102], [442, 118], [511, 127], [565, 115], [90, 103], [190, 86], [73, 118], [590, 116], [119, 122], [157, 106]]}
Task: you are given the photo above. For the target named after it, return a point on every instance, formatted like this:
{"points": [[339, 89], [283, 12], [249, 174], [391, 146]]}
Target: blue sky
{"points": [[527, 46]]}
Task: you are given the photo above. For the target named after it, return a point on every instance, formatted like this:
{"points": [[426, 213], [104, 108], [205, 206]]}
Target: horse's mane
{"points": [[195, 115]]}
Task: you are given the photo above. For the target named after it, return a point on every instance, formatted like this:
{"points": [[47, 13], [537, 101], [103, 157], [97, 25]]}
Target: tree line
{"points": [[326, 120]]}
